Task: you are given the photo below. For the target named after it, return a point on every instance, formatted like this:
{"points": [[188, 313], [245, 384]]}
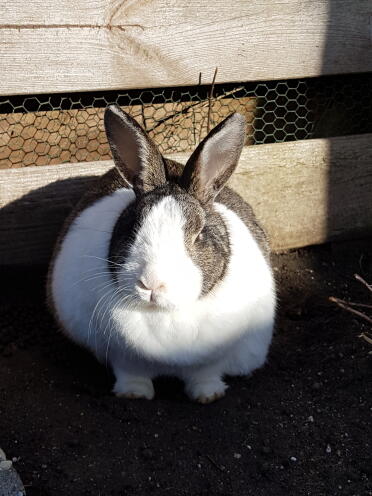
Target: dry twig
{"points": [[210, 97], [215, 463], [360, 279], [183, 111], [366, 337], [349, 307]]}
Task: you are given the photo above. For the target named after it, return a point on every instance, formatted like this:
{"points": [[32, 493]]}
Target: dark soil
{"points": [[299, 426]]}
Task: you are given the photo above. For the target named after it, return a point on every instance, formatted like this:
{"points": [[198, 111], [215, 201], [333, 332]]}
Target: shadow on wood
{"points": [[29, 225], [349, 187], [305, 192]]}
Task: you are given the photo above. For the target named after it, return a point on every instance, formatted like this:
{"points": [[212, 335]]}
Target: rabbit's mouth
{"points": [[156, 303], [153, 296]]}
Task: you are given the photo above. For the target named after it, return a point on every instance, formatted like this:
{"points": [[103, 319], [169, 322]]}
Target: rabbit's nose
{"points": [[141, 285], [150, 290], [155, 286]]}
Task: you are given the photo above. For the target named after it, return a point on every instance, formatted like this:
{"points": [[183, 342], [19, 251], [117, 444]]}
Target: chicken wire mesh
{"points": [[52, 129]]}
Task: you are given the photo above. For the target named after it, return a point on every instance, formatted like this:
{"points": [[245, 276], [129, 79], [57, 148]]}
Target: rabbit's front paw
{"points": [[134, 388], [206, 391]]}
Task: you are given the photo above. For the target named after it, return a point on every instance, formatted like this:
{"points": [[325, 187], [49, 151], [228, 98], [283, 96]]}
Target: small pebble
{"points": [[293, 459], [310, 418], [237, 455], [6, 464], [328, 449], [2, 455]]}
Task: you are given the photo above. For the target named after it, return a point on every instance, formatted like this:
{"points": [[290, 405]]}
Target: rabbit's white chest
{"points": [[243, 302], [185, 337]]}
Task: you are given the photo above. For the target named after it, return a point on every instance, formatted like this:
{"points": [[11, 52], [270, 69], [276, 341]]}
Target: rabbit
{"points": [[161, 269]]}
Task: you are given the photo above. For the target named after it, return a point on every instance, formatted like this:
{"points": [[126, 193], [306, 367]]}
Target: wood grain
{"points": [[303, 192], [85, 45]]}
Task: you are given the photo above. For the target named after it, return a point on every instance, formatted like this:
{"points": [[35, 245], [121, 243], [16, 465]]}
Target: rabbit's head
{"points": [[171, 247]]}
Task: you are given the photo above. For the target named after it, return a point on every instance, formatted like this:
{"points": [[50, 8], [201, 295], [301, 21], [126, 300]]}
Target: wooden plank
{"points": [[303, 192], [34, 201], [309, 192], [84, 45]]}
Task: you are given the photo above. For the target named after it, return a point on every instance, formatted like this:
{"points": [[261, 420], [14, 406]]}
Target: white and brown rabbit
{"points": [[163, 270]]}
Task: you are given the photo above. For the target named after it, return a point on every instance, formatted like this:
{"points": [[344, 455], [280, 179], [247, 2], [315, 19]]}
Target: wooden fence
{"points": [[81, 45]]}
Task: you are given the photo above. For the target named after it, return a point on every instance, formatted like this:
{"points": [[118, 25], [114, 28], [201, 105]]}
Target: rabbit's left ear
{"points": [[136, 156], [215, 159]]}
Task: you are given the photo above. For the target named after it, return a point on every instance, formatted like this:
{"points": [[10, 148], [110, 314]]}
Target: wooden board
{"points": [[303, 192], [84, 45]]}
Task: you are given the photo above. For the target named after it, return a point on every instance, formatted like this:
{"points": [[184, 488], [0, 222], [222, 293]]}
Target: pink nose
{"points": [[151, 289]]}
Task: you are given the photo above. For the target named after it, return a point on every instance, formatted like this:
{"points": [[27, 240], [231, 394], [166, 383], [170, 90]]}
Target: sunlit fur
{"points": [[228, 331], [158, 256]]}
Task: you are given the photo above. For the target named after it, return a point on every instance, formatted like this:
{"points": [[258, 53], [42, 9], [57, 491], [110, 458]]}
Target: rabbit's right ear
{"points": [[135, 155], [215, 159]]}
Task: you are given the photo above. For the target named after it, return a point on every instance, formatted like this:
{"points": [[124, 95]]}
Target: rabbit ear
{"points": [[135, 155], [215, 159]]}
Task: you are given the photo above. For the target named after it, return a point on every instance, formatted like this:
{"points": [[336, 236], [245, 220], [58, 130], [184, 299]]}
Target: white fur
{"points": [[198, 339], [203, 327], [131, 386], [80, 272], [158, 256]]}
